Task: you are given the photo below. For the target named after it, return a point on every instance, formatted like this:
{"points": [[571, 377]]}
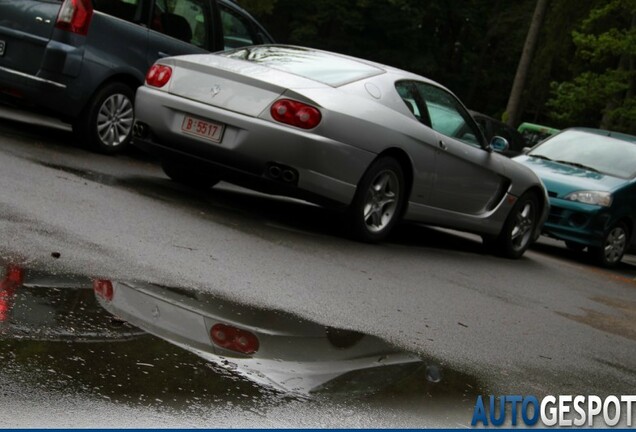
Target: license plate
{"points": [[202, 128], [3, 45]]}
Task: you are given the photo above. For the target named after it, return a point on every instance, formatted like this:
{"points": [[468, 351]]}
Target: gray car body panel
{"points": [[461, 186]]}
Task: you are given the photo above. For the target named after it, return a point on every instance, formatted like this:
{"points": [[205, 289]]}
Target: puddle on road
{"points": [[173, 348]]}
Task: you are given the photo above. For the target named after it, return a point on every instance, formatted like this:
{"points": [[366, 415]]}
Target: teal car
{"points": [[590, 176]]}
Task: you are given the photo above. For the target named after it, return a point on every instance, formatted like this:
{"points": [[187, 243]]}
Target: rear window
{"points": [[319, 66]]}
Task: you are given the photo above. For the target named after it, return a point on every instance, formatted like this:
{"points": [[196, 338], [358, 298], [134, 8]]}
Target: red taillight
{"points": [[158, 75], [103, 288], [234, 339], [12, 280], [75, 16], [296, 114]]}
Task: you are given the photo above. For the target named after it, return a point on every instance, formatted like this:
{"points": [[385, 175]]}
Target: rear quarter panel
{"points": [[113, 47], [352, 115]]}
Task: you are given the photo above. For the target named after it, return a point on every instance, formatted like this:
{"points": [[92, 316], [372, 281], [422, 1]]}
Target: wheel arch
{"points": [[407, 165], [122, 77], [629, 222]]}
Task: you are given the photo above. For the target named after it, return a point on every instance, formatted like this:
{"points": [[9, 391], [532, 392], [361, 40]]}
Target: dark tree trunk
{"points": [[514, 101]]}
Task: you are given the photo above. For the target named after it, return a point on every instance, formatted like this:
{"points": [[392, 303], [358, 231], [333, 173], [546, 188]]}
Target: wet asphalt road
{"points": [[549, 323]]}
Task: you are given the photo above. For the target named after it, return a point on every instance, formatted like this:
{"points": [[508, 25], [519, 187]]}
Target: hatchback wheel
{"points": [[378, 202], [518, 231], [613, 248], [186, 175], [106, 123]]}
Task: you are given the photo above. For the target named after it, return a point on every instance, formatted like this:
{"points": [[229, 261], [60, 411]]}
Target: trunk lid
{"points": [[25, 29], [232, 84]]}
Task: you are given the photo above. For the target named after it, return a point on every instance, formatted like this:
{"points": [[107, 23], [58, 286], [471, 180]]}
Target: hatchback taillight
{"points": [[295, 113], [158, 75], [103, 288], [234, 339], [75, 16]]}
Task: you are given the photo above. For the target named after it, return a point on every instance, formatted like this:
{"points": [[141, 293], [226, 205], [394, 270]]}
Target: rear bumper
{"points": [[232, 174], [327, 170]]}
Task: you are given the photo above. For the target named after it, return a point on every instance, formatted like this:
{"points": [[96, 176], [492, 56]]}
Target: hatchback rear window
{"points": [[319, 66]]}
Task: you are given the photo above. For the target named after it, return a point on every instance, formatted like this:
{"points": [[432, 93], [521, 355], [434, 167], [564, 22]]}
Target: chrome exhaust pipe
{"points": [[274, 171], [289, 176]]}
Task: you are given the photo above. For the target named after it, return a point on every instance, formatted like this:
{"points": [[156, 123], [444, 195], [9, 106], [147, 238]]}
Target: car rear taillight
{"points": [[103, 288], [295, 113], [75, 16], [234, 339], [158, 75], [12, 280]]}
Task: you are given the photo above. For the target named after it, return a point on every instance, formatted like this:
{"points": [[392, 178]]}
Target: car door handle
{"points": [[442, 145]]}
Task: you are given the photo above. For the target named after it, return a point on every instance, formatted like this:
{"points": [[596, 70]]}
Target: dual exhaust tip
{"points": [[283, 173], [275, 171]]}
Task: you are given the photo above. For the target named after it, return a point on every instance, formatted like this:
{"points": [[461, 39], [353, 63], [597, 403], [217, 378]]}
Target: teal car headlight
{"points": [[591, 197]]}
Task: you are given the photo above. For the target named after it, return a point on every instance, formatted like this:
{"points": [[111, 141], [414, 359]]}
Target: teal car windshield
{"points": [[326, 68], [590, 151]]}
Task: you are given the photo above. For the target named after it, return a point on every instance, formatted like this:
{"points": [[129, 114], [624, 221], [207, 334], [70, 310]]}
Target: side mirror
{"points": [[499, 144]]}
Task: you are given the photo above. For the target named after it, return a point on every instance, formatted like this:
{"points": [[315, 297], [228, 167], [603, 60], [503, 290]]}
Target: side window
{"points": [[448, 117], [410, 96], [186, 20], [128, 10], [236, 29]]}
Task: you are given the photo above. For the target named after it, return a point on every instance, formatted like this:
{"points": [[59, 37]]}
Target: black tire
{"points": [[188, 176], [105, 125], [379, 200], [574, 246], [517, 234], [614, 246]]}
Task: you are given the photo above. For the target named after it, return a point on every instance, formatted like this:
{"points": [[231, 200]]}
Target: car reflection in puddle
{"points": [[148, 344], [273, 348]]}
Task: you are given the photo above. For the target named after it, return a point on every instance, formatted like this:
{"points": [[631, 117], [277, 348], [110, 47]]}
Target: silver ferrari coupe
{"points": [[385, 144]]}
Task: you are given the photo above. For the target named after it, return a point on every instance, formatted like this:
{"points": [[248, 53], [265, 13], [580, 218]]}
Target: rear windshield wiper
{"points": [[539, 156], [578, 165]]}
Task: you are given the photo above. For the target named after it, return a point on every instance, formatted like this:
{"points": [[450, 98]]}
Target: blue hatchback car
{"points": [[590, 175]]}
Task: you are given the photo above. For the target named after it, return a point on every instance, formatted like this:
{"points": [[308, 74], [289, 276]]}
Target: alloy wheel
{"points": [[115, 120], [615, 244], [381, 201], [523, 225]]}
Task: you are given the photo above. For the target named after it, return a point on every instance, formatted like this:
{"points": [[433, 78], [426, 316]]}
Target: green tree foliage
{"points": [[473, 47], [552, 61], [602, 90]]}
